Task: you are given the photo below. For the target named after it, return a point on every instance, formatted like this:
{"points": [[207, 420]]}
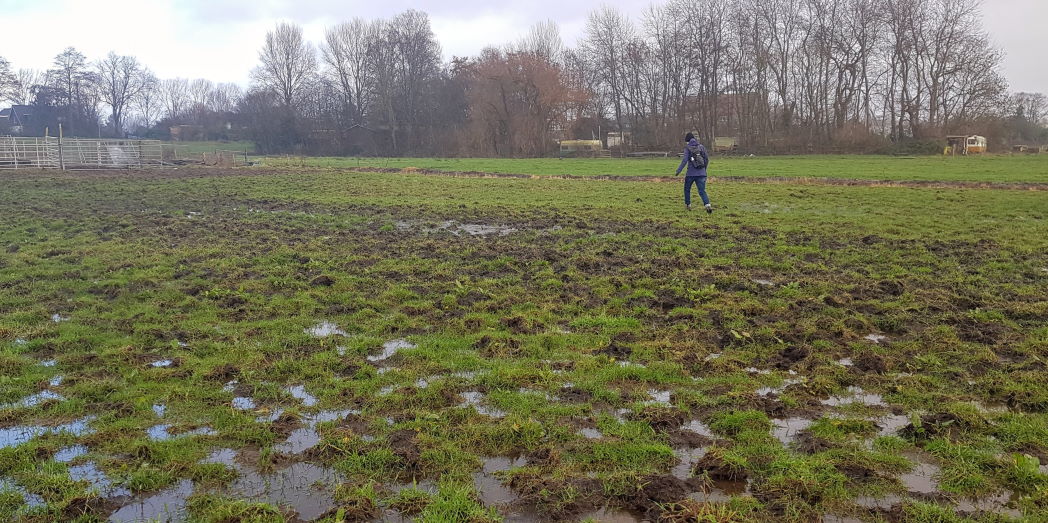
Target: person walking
{"points": [[696, 160]]}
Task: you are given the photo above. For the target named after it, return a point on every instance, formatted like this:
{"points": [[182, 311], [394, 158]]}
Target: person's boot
{"points": [[688, 205], [709, 209]]}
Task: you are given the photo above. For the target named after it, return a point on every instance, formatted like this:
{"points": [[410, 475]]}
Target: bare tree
{"points": [[348, 51], [288, 62], [148, 104], [200, 91], [224, 97], [120, 81], [26, 81], [8, 81], [544, 41], [174, 95], [608, 32]]}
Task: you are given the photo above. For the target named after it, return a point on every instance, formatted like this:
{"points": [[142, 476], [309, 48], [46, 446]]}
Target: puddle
{"points": [[721, 491], [765, 283], [29, 402], [341, 350], [997, 504], [755, 370], [160, 433], [167, 505], [476, 400], [610, 515], [856, 395], [591, 433], [713, 356], [17, 435], [305, 438], [876, 338], [425, 485], [768, 391], [67, 454], [698, 427], [882, 503], [303, 487], [299, 392], [846, 362], [56, 381], [161, 363], [688, 458], [159, 410], [29, 500], [472, 229], [489, 488], [628, 364], [58, 318], [891, 424], [659, 397], [324, 330], [99, 481], [922, 479], [299, 441], [231, 386], [49, 363], [786, 430], [390, 348], [244, 403]]}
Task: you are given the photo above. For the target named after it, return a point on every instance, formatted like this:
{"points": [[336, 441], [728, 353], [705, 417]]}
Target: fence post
{"points": [[61, 152]]}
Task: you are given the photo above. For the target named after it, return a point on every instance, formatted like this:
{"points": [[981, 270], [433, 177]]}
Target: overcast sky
{"points": [[219, 39]]}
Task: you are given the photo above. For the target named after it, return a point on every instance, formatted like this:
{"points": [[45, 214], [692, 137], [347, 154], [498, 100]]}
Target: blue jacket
{"points": [[695, 146]]}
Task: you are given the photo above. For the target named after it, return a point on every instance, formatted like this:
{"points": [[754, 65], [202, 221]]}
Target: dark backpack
{"points": [[695, 159]]}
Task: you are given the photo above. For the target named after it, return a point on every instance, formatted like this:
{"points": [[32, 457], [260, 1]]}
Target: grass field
{"points": [[271, 344], [991, 168], [196, 148]]}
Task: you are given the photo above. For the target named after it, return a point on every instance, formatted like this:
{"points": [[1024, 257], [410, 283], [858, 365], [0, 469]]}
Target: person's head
{"points": [[689, 137]]}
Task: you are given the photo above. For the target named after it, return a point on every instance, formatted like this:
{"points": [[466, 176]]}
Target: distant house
{"points": [[16, 119]]}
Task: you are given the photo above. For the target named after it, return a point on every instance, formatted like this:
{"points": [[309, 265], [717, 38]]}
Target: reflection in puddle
{"points": [[768, 391], [891, 424], [476, 400], [299, 393], [846, 362], [243, 403], [610, 515], [713, 356], [489, 488], [167, 505], [589, 433], [159, 410], [29, 402], [856, 395], [786, 430], [305, 438], [99, 481], [390, 348], [876, 338], [698, 427], [19, 434], [58, 318], [765, 283], [29, 500], [67, 454], [302, 487], [688, 458], [659, 397], [162, 363], [472, 229], [160, 433], [922, 479], [325, 329], [48, 363], [883, 503]]}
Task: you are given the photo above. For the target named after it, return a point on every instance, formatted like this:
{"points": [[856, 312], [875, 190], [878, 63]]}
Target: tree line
{"points": [[774, 75]]}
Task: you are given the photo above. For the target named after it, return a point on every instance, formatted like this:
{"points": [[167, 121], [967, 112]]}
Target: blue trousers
{"points": [[700, 182]]}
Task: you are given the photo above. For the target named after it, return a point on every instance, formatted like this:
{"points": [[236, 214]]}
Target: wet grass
{"points": [[412, 346], [981, 169]]}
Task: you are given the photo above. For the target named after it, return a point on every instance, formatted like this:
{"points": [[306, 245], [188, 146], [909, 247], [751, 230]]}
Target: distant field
{"points": [[1004, 168], [210, 147]]}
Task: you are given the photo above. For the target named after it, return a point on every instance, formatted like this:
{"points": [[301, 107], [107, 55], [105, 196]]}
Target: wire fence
{"points": [[79, 153]]}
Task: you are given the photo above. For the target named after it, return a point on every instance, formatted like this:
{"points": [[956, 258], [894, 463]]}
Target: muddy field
{"points": [[273, 345]]}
